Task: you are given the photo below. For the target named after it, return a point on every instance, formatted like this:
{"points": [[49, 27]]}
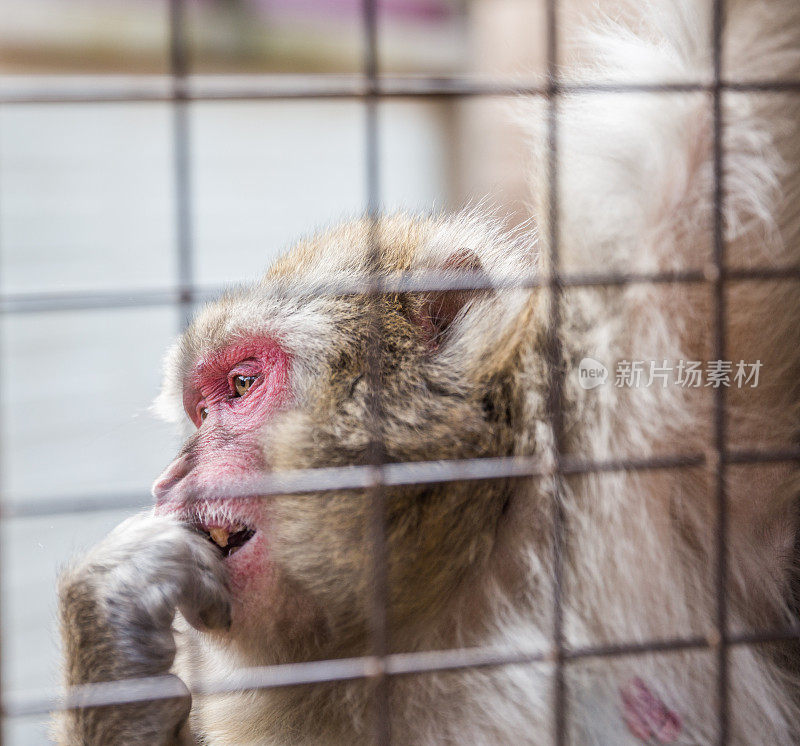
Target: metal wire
{"points": [[319, 87], [181, 144], [180, 88], [2, 501], [356, 477], [42, 701], [381, 716], [721, 579], [554, 362], [415, 281]]}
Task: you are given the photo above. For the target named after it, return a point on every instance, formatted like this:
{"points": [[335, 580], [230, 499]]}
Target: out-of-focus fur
{"points": [[471, 563]]}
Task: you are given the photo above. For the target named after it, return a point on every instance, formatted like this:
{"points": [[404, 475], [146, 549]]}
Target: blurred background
{"points": [[90, 206]]}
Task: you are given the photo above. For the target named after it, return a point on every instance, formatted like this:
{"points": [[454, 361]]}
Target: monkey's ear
{"points": [[435, 311]]}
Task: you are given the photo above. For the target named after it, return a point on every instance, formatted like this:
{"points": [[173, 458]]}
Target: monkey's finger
{"points": [[215, 614], [174, 712], [205, 599], [160, 721]]}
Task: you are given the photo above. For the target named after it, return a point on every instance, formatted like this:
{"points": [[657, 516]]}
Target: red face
{"points": [[230, 396]]}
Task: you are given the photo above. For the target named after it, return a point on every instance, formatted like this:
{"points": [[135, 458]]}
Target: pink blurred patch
{"points": [[646, 716]]}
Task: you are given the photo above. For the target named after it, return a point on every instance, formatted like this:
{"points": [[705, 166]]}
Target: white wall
{"points": [[87, 203]]}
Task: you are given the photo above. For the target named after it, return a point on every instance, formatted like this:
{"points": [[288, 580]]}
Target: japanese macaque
{"points": [[270, 379]]}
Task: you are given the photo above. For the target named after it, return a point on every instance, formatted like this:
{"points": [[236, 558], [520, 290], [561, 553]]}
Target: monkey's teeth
{"points": [[227, 539], [219, 536]]}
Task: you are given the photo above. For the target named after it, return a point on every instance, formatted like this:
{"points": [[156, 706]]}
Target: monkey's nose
{"points": [[170, 478]]}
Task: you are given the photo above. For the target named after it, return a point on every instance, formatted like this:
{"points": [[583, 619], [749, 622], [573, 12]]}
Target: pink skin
{"points": [[646, 716], [225, 448]]}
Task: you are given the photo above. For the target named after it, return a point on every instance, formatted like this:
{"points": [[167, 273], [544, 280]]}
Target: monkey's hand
{"points": [[117, 607]]}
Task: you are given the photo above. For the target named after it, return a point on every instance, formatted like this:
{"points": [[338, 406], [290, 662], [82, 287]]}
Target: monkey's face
{"points": [[270, 380], [230, 395]]}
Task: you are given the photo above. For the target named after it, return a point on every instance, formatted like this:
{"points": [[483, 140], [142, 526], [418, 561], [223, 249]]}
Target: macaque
{"points": [[268, 379]]}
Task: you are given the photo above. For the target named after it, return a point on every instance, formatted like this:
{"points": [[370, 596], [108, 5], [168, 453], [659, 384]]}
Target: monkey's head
{"points": [[269, 379]]}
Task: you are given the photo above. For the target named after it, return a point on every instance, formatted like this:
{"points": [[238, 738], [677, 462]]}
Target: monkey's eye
{"points": [[242, 384], [203, 413]]}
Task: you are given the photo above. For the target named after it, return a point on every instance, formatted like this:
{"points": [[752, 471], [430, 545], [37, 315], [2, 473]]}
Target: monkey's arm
{"points": [[117, 606]]}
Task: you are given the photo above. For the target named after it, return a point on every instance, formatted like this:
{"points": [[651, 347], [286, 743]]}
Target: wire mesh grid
{"points": [[380, 665]]}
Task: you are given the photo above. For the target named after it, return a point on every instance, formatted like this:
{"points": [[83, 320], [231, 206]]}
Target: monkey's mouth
{"points": [[227, 539]]}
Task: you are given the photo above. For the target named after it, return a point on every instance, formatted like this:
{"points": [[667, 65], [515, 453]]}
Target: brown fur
{"points": [[464, 376]]}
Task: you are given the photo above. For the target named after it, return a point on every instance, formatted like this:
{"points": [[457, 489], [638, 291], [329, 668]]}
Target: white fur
{"points": [[635, 194]]}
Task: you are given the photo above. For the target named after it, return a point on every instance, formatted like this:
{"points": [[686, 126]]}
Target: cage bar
{"points": [[180, 88]]}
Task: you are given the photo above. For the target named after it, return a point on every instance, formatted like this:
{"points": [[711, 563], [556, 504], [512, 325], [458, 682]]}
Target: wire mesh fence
{"points": [[371, 88]]}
